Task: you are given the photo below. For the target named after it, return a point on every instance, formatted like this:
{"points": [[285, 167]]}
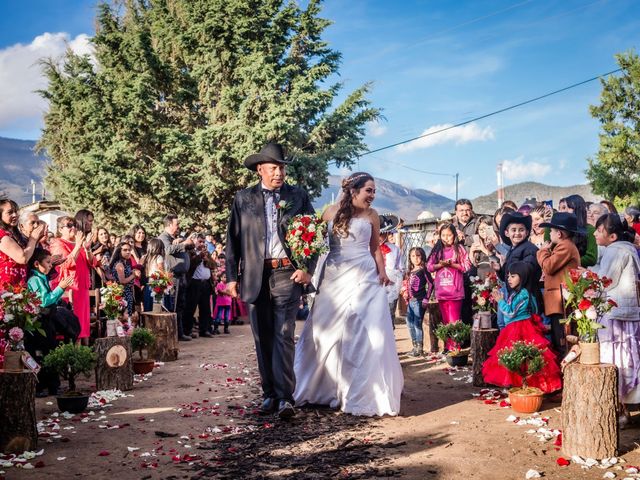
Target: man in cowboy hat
{"points": [[258, 259], [392, 261]]}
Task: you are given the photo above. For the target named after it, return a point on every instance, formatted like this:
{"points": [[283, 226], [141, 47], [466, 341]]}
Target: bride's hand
{"points": [[384, 280]]}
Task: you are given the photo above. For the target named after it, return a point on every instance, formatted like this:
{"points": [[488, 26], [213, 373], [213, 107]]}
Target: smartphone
{"points": [[476, 238]]}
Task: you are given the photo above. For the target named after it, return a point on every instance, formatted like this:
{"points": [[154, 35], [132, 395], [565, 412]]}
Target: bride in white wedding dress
{"points": [[346, 355]]}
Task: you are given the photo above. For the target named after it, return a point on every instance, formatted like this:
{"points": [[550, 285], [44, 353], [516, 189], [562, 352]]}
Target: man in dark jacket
{"points": [[177, 262], [259, 268]]}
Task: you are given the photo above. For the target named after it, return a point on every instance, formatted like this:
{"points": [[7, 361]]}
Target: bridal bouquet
{"points": [[306, 237], [481, 292]]}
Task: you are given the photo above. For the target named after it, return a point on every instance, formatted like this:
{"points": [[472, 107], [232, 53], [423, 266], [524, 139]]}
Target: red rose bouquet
{"points": [[306, 237], [481, 292], [586, 301]]}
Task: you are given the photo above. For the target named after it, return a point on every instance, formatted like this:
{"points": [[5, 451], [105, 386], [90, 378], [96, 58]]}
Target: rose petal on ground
{"points": [[563, 462], [532, 474], [104, 453], [61, 458]]}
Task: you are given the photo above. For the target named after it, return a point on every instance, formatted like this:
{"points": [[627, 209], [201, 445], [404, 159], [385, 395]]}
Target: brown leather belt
{"points": [[274, 263]]}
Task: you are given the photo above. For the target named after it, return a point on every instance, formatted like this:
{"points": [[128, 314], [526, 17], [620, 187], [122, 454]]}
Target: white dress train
{"points": [[346, 356]]}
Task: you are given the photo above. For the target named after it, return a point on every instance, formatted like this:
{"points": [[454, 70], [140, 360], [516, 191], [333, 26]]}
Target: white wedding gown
{"points": [[346, 355]]}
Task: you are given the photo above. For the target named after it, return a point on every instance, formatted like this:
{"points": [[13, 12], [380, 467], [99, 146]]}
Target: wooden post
{"points": [[114, 368], [589, 411], [432, 319], [165, 327], [18, 430], [482, 341]]}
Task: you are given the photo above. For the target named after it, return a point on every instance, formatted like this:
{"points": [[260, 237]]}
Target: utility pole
{"points": [[33, 191], [457, 175], [500, 180]]}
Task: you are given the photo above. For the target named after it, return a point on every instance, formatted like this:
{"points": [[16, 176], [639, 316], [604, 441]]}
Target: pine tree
{"points": [[180, 93], [614, 171]]}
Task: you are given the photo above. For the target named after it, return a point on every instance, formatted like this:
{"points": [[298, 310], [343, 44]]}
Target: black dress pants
{"points": [[198, 295], [273, 319]]}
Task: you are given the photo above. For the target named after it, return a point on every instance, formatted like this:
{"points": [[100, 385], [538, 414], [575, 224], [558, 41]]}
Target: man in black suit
{"points": [[258, 258]]}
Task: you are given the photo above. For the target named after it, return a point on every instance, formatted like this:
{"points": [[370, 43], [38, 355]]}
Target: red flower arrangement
{"points": [[306, 237], [481, 292]]}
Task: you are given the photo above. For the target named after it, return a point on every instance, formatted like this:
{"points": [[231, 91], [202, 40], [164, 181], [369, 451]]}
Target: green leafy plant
{"points": [[458, 332], [522, 358], [71, 360], [142, 338]]}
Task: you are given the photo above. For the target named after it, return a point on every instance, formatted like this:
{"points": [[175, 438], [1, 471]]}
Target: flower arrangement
{"points": [[523, 359], [586, 299], [306, 237], [112, 298], [19, 309], [481, 292], [160, 284], [458, 332]]}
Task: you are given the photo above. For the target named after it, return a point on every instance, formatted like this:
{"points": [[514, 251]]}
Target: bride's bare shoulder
{"points": [[329, 213]]}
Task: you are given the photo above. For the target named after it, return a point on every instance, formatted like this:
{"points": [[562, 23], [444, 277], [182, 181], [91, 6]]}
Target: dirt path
{"points": [[195, 418]]}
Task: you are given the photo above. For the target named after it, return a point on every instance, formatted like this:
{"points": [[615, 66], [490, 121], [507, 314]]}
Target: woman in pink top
{"points": [[75, 249], [448, 261], [223, 305]]}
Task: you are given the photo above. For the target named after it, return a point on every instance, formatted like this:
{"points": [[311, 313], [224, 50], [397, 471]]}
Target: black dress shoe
{"points": [[206, 335], [268, 406], [285, 409], [184, 338]]}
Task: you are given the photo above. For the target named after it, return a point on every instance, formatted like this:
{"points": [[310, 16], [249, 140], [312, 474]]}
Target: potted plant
{"points": [[483, 302], [454, 335], [142, 339], [160, 284], [19, 309], [586, 299], [524, 360], [71, 360]]}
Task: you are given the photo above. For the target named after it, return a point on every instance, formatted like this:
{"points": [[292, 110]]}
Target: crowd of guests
{"points": [[531, 248], [65, 266]]}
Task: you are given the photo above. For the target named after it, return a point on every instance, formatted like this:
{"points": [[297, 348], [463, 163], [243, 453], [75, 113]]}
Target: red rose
{"points": [[305, 221], [485, 294], [584, 304], [306, 252], [308, 237]]}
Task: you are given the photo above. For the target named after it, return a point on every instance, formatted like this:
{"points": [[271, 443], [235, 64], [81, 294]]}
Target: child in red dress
{"points": [[522, 324]]}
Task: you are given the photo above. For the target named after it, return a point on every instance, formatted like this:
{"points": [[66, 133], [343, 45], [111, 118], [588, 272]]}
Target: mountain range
{"points": [[20, 166]]}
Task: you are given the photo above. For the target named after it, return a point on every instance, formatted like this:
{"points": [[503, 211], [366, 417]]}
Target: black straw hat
{"points": [[513, 217], [388, 221], [270, 153], [564, 221]]}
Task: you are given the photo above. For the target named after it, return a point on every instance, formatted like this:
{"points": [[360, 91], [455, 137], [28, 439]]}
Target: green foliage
{"points": [[71, 360], [142, 338], [180, 93], [523, 359], [458, 332], [614, 171]]}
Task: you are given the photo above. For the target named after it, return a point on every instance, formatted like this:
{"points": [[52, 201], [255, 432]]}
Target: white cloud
{"points": [[459, 135], [518, 169], [376, 129], [21, 75]]}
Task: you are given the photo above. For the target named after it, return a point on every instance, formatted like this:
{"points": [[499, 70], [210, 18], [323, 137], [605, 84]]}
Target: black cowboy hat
{"points": [[513, 217], [270, 153], [564, 221], [388, 221]]}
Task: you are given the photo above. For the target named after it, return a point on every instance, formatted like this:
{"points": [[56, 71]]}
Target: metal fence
{"points": [[415, 235]]}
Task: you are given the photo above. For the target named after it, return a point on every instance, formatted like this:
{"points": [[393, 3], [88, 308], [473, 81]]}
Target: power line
{"points": [[496, 112]]}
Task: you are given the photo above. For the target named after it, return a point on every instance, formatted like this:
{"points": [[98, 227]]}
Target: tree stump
{"points": [[433, 318], [114, 368], [165, 327], [482, 341], [589, 411], [18, 430]]}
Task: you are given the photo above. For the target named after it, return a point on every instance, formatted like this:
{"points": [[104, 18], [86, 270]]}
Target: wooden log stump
{"points": [[432, 319], [482, 341], [114, 368], [165, 327], [589, 411], [18, 430]]}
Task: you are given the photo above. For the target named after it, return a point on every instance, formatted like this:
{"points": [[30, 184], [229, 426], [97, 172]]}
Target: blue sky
{"points": [[432, 63]]}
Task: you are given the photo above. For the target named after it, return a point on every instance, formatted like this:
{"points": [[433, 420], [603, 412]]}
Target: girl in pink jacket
{"points": [[447, 262]]}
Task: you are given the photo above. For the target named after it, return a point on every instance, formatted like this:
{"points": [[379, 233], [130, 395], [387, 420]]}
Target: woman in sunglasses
{"points": [[75, 249]]}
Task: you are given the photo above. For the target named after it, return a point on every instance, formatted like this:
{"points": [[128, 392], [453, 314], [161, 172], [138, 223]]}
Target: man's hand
{"points": [[300, 276], [232, 288]]}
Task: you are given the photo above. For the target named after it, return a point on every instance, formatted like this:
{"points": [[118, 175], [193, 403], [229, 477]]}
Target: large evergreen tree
{"points": [[180, 92], [615, 171]]}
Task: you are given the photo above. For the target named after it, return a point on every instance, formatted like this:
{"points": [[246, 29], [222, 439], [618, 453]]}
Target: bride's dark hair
{"points": [[352, 184]]}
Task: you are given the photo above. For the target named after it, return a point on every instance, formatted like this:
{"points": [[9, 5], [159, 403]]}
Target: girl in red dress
{"points": [[522, 324]]}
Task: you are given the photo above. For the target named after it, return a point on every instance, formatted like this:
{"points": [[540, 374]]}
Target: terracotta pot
{"points": [[13, 361], [458, 360], [589, 353], [528, 401], [140, 367]]}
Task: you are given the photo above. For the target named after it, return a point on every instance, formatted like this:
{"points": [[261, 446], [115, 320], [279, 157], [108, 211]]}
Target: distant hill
{"points": [[392, 197], [521, 191], [18, 166]]}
